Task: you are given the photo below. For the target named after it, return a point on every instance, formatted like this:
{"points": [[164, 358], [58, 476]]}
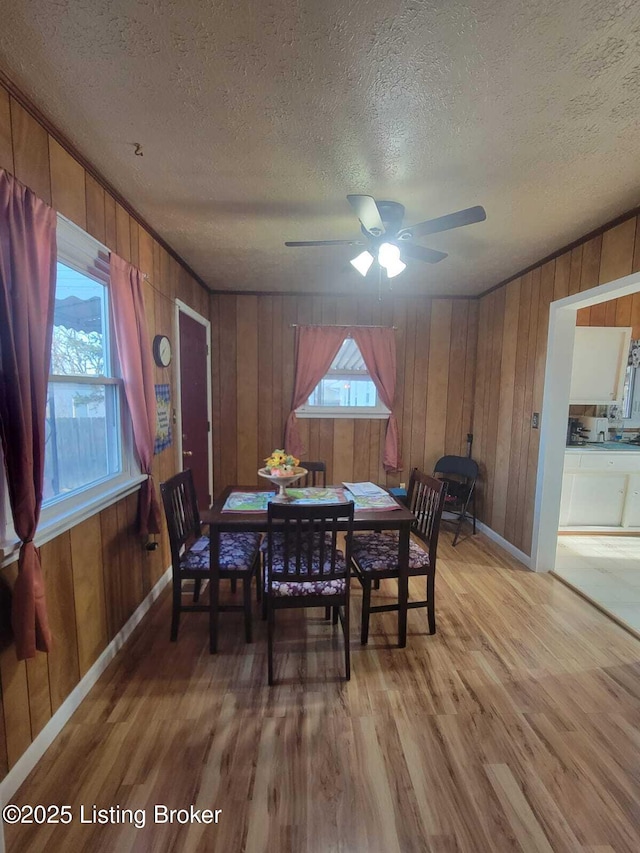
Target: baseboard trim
{"points": [[25, 764], [504, 544]]}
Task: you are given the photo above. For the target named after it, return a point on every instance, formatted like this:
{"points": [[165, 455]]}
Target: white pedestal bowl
{"points": [[283, 482]]}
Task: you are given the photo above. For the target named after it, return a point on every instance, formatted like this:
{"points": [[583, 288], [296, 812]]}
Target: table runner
{"points": [[259, 501]]}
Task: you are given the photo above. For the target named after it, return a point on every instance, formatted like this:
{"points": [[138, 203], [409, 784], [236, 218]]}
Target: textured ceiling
{"points": [[257, 118]]}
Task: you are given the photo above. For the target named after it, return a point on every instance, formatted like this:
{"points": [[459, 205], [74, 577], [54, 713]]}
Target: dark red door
{"points": [[195, 424]]}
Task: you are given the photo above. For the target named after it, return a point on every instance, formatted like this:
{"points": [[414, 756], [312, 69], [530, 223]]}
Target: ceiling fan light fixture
{"points": [[395, 268], [388, 255], [362, 262]]}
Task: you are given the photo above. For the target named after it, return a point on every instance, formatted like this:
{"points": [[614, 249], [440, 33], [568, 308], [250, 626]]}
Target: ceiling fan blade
{"points": [[367, 212], [421, 253], [445, 223], [325, 243]]}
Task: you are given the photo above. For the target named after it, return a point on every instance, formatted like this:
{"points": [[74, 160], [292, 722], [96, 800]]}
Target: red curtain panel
{"points": [[315, 349], [27, 298], [378, 347], [134, 351]]}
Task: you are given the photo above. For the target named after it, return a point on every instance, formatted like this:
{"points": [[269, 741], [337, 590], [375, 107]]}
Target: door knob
{"points": [[187, 453]]}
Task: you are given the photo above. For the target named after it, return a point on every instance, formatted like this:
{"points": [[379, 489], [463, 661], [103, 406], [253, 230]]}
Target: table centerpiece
{"points": [[282, 470]]}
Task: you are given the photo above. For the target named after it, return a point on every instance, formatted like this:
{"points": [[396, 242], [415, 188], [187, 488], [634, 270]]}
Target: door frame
{"points": [[182, 307], [555, 406]]}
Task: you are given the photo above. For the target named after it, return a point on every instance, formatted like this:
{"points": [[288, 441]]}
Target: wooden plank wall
{"points": [[97, 573], [512, 342], [253, 381]]}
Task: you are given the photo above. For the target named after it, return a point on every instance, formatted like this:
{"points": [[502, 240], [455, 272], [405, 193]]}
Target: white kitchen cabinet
{"points": [[597, 499], [599, 363], [601, 489], [631, 517]]}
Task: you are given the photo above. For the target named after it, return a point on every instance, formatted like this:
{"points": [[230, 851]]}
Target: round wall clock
{"points": [[162, 350]]}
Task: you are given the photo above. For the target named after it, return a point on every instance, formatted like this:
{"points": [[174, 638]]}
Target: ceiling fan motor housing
{"points": [[391, 213]]}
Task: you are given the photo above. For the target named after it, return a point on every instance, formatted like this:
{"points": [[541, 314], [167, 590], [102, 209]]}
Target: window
{"points": [[82, 435], [347, 390], [631, 397], [89, 459]]}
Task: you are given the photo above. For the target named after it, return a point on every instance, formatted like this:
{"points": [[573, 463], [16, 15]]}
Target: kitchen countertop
{"points": [[606, 446]]}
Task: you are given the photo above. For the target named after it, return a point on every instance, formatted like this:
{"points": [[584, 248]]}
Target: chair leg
{"points": [[334, 620], [327, 613], [366, 605], [175, 610], [431, 602], [259, 581], [376, 583], [246, 590], [473, 501], [264, 591], [347, 647], [458, 526], [196, 589], [234, 585], [214, 597], [270, 628]]}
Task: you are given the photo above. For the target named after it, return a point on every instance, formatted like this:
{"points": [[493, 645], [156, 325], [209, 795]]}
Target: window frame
{"points": [[75, 249], [377, 412], [630, 418]]}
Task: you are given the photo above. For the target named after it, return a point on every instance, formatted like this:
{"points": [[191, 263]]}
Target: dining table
{"points": [[220, 520]]}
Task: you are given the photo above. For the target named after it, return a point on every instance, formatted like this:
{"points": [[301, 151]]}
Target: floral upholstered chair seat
{"points": [[315, 585], [379, 552], [237, 553]]}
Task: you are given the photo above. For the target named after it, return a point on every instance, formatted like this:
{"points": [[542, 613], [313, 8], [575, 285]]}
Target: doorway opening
{"points": [[568, 554]]}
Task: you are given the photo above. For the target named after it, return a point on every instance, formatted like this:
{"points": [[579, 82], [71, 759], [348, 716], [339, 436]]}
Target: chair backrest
{"points": [[425, 498], [460, 474], [460, 466], [317, 473], [306, 541], [181, 511]]}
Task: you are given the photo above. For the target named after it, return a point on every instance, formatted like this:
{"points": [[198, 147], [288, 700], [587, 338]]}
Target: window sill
{"points": [[48, 530], [352, 414]]}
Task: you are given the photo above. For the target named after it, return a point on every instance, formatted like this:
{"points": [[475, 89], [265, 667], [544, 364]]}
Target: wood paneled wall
{"points": [[97, 573], [512, 345], [253, 342], [463, 365]]}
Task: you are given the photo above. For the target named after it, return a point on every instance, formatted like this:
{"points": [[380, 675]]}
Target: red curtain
{"points": [[378, 348], [27, 299], [315, 349], [134, 352]]}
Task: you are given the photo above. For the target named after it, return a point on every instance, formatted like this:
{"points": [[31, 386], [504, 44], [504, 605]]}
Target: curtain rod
{"points": [[342, 326]]}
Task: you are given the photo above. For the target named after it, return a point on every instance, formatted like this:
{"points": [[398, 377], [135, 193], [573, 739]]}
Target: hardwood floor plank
{"points": [[526, 828], [514, 727]]}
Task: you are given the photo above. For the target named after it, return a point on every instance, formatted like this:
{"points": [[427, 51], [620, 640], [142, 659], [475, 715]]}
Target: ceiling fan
{"points": [[388, 242]]}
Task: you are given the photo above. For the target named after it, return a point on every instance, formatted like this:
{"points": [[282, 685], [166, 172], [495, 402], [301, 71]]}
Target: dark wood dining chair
{"points": [[304, 566], [459, 473], [375, 556], [190, 554], [317, 475]]}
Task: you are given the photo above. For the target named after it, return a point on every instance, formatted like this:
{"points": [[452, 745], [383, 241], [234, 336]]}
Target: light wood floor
{"points": [[515, 727]]}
